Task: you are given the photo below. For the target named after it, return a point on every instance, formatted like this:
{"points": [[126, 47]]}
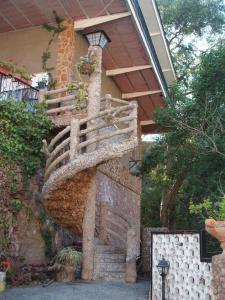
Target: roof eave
{"points": [[145, 31]]}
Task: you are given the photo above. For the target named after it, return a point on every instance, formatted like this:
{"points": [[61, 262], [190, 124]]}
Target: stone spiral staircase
{"points": [[73, 155]]}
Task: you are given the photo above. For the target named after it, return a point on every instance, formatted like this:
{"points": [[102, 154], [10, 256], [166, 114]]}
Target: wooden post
{"points": [[74, 138], [89, 231], [131, 273], [94, 93]]}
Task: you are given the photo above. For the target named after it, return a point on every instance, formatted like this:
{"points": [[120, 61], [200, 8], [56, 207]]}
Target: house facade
{"points": [[88, 186]]}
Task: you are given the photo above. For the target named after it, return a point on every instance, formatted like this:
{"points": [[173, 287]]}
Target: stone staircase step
{"points": [[108, 258], [108, 249], [110, 267], [111, 276]]}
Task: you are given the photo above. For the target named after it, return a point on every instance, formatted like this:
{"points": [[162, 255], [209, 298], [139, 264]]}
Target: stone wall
{"points": [[29, 227], [116, 187], [65, 54], [218, 271], [146, 247], [188, 277]]}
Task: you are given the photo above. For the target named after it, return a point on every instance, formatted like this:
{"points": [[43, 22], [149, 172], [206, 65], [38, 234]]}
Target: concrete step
{"points": [[108, 249], [110, 267], [111, 276], [108, 258]]}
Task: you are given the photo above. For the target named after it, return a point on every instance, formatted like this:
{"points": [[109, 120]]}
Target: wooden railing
{"points": [[116, 118], [114, 224], [62, 100]]}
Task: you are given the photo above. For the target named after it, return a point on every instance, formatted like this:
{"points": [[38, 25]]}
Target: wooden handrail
{"points": [[110, 117], [60, 99], [55, 163], [106, 112], [58, 137], [57, 150], [104, 137]]}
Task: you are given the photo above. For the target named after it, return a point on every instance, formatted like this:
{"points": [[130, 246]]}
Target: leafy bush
{"points": [[70, 256], [21, 135]]}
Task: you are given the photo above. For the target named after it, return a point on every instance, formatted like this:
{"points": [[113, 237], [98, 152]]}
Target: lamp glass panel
{"points": [[103, 40]]}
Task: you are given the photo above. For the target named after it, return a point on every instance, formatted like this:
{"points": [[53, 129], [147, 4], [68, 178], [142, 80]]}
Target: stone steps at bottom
{"points": [[109, 263]]}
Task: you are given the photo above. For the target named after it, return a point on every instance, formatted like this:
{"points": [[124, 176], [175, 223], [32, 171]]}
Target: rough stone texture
{"points": [[65, 54], [146, 247], [131, 273], [67, 202], [218, 270], [121, 174], [89, 230], [86, 161], [124, 200], [63, 120], [109, 265]]}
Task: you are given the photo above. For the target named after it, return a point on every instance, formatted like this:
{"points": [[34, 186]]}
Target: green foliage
{"points": [[15, 69], [47, 237], [70, 256], [209, 209], [21, 135], [192, 151], [7, 64], [46, 55], [42, 217], [184, 22], [17, 204]]}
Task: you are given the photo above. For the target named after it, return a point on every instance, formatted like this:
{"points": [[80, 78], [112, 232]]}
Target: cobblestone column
{"points": [[65, 54], [89, 230], [218, 270], [146, 247]]}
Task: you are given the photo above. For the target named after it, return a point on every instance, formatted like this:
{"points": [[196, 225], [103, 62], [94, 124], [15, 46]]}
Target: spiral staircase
{"points": [[73, 155]]}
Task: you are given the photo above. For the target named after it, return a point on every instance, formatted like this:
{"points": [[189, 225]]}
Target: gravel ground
{"points": [[81, 291]]}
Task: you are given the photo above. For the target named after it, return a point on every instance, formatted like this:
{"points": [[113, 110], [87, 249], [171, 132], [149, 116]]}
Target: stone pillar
{"points": [[89, 231], [94, 92], [65, 54], [131, 273], [218, 272], [146, 247]]}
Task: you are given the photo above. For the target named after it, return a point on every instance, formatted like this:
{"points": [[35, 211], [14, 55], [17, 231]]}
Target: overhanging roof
{"points": [[142, 56]]}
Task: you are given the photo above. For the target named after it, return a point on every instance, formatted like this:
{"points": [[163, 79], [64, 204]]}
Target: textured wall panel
{"points": [[188, 278]]}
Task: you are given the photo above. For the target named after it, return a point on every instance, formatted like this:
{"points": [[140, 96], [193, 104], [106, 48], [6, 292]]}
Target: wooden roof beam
{"points": [[119, 71], [85, 23], [140, 94]]}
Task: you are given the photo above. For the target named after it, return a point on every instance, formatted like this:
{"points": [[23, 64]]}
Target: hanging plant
{"points": [[88, 63], [6, 67]]}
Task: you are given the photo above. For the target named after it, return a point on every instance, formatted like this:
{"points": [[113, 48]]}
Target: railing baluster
{"points": [[41, 96], [74, 138]]}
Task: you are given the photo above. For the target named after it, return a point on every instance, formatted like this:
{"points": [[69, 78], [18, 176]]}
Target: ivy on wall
{"points": [[21, 135]]}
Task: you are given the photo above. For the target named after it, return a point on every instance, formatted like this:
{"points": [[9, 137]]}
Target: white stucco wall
{"points": [[188, 278]]}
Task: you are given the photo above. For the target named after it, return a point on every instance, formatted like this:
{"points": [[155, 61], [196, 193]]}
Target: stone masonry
{"points": [[218, 269], [65, 54], [146, 247]]}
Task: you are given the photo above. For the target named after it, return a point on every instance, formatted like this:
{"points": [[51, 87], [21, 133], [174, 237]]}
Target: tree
{"points": [[189, 159], [185, 21]]}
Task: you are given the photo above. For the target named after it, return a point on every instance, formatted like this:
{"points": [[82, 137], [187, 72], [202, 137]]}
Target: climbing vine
{"points": [[46, 55], [21, 134]]}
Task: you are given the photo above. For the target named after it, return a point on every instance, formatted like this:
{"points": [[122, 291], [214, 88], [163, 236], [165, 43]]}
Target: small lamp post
{"points": [[163, 268]]}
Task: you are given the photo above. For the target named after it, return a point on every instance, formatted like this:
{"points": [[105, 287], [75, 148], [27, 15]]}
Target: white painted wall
{"points": [[188, 278]]}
